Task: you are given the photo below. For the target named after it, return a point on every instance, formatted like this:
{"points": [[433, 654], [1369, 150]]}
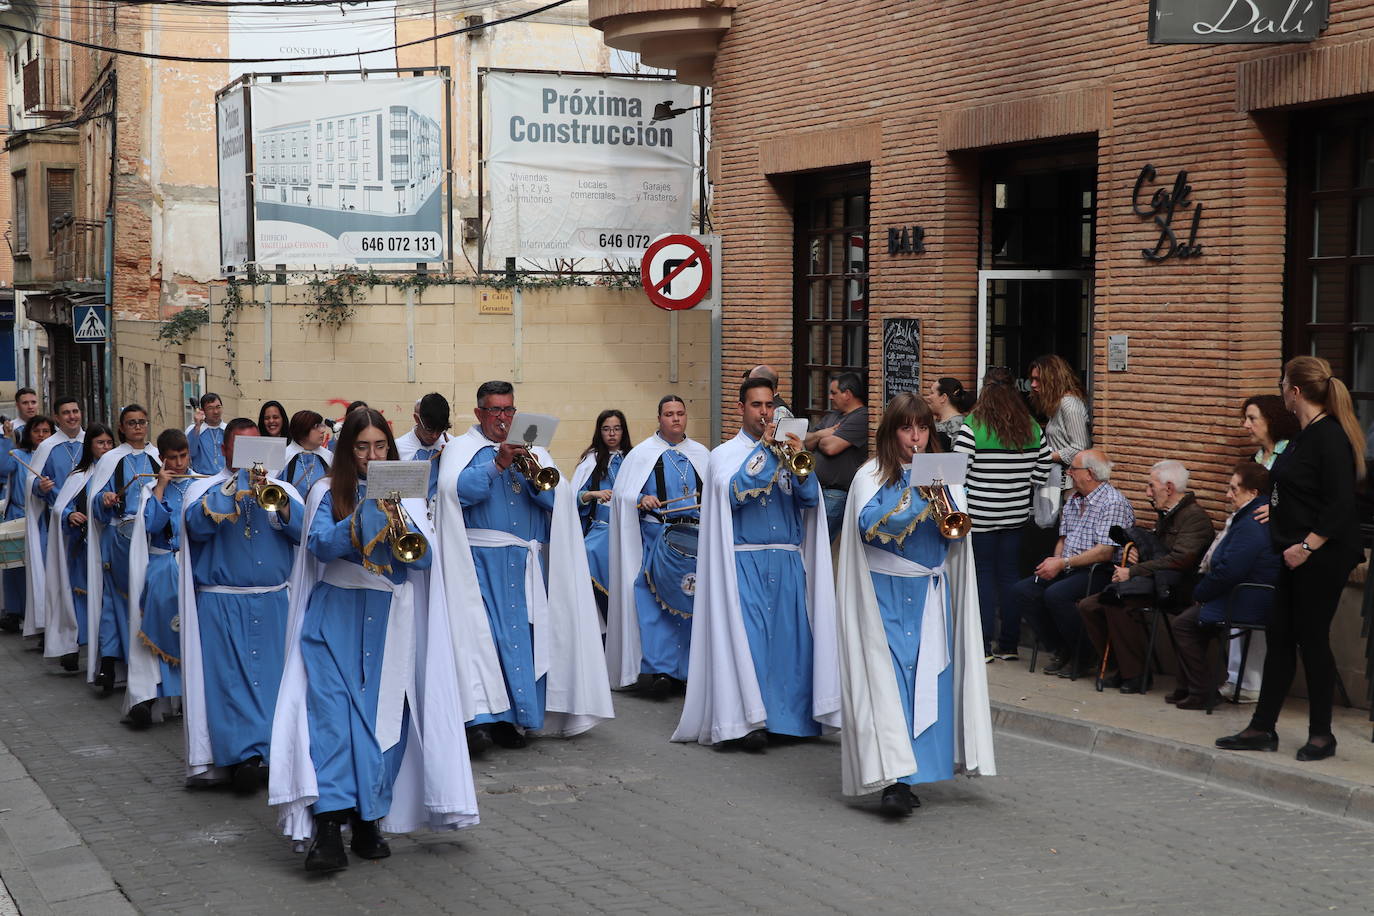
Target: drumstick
{"points": [[678, 499], [130, 481], [683, 509], [35, 473]]}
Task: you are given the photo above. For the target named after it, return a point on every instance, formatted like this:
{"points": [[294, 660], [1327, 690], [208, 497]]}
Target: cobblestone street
{"points": [[622, 821]]}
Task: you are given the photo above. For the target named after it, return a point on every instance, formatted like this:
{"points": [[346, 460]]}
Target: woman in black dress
{"points": [[1313, 522]]}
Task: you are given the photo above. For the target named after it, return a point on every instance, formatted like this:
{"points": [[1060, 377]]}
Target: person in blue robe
{"points": [[115, 506], [76, 516], [767, 503], [19, 479], [307, 467], [427, 438], [494, 495], [207, 436], [343, 641], [241, 558], [64, 457], [601, 462]]}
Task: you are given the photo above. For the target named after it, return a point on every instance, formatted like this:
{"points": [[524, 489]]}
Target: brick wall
{"points": [[944, 81]]}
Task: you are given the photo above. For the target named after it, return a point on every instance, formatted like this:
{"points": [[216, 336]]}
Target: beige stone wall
{"points": [[583, 350]]}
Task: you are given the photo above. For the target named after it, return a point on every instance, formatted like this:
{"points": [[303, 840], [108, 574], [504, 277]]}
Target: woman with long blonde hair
{"points": [[1057, 395], [1313, 522]]}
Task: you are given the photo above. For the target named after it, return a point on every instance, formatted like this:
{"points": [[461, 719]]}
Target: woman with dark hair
{"points": [[307, 461], [1313, 522], [949, 401], [1270, 424], [1008, 458], [272, 419], [69, 564], [906, 611], [1057, 395], [593, 480], [19, 478], [345, 719]]}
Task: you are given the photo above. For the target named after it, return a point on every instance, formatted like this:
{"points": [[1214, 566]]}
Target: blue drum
{"points": [[672, 568]]}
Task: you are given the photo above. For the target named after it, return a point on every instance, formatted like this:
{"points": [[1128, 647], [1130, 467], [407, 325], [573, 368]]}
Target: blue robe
{"points": [[767, 502], [506, 501], [343, 636], [75, 539], [161, 588], [597, 527], [207, 449], [114, 552], [62, 460], [902, 603], [17, 479], [427, 454], [304, 470], [665, 635], [235, 543]]}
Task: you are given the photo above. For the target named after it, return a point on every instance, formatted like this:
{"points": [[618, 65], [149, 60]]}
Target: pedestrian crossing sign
{"points": [[90, 323]]}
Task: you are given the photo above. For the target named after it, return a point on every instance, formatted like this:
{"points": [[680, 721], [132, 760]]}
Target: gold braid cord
{"points": [[220, 518], [885, 537], [686, 615], [599, 587], [169, 659], [757, 491], [365, 551]]}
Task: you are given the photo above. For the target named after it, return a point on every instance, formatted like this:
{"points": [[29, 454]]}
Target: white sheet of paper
{"points": [[532, 429], [397, 479], [951, 468], [270, 451], [795, 425]]}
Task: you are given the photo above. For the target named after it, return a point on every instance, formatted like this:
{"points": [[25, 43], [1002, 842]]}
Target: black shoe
{"points": [[105, 680], [898, 800], [1059, 664], [1133, 684], [368, 841], [11, 623], [660, 687], [141, 715], [1266, 741], [1200, 701], [479, 740], [327, 850], [245, 779], [507, 735], [1083, 669], [1178, 696], [71, 661], [1112, 680], [756, 742], [1309, 751]]}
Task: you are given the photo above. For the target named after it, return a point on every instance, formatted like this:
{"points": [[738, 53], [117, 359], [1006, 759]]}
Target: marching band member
{"points": [[272, 420], [233, 617], [68, 567], [592, 480], [649, 630], [54, 459], [426, 440], [368, 729], [763, 656], [154, 574], [529, 655], [113, 502], [207, 435], [913, 682], [20, 480], [307, 460]]}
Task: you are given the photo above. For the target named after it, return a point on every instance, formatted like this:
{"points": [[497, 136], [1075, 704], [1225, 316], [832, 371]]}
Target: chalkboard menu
{"points": [[901, 356]]}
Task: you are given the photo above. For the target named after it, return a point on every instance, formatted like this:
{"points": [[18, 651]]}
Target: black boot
{"points": [[105, 680], [368, 841], [141, 715], [246, 777], [660, 687], [898, 800], [507, 735], [71, 661], [327, 850], [479, 740], [11, 623]]}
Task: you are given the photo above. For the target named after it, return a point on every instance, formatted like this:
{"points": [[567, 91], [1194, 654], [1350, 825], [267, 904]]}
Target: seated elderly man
{"points": [[1184, 531], [1243, 552], [1049, 599]]}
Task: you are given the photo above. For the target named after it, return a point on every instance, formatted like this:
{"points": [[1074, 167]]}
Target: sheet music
{"points": [[532, 429], [397, 480], [949, 468], [270, 451]]}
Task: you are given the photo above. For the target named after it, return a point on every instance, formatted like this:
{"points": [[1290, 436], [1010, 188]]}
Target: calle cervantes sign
{"points": [[1236, 21]]}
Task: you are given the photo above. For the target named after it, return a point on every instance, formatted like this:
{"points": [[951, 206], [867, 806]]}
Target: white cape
{"points": [[723, 698], [35, 596], [409, 444], [200, 757], [434, 788], [624, 652], [567, 643], [145, 669], [61, 636], [875, 746], [293, 449], [95, 581]]}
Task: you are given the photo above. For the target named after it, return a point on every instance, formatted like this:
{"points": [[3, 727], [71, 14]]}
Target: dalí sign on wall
{"points": [[1209, 22]]}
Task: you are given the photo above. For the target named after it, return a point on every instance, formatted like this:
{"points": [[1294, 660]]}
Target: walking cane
{"points": [[1126, 549]]}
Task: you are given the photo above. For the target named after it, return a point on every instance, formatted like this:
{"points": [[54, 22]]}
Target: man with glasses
{"points": [[233, 618], [1049, 599], [532, 651], [207, 435], [426, 440]]}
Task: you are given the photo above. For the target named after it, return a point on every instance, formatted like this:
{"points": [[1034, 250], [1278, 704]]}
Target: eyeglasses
{"points": [[610, 429], [363, 448], [498, 411], [135, 423]]}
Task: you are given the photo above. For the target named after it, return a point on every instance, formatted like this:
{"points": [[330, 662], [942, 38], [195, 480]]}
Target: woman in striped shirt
{"points": [[1009, 457]]}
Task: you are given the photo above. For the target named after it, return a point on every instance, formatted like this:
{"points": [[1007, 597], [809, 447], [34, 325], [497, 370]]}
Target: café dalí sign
{"points": [[1236, 21]]}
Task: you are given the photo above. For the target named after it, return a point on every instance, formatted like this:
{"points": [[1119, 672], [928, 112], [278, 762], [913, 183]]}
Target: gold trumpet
{"points": [[800, 463], [953, 523], [270, 496], [406, 545], [543, 478]]}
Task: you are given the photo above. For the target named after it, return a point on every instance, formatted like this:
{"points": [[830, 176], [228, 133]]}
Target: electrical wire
{"points": [[185, 59]]}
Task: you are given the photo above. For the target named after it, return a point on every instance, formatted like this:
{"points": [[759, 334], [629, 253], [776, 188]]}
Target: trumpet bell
{"points": [[546, 478], [409, 547], [801, 464], [271, 497], [955, 525]]}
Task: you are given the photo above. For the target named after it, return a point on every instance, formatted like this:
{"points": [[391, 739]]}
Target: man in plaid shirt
{"points": [[1049, 599]]}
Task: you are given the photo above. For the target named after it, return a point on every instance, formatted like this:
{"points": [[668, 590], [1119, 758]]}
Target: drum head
{"points": [[682, 537]]}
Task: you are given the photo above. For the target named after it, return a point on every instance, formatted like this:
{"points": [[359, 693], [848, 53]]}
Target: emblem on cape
{"points": [[176, 623], [785, 483], [689, 584], [905, 502], [755, 464]]}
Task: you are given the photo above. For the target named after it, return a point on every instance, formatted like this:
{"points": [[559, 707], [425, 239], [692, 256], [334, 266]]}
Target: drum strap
{"points": [[659, 481], [291, 467]]}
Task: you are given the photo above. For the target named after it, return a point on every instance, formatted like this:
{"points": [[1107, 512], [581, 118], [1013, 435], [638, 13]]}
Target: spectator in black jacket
{"points": [[1243, 552], [1313, 522]]}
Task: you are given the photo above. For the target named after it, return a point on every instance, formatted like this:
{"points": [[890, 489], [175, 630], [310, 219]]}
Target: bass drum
{"points": [[672, 568]]}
